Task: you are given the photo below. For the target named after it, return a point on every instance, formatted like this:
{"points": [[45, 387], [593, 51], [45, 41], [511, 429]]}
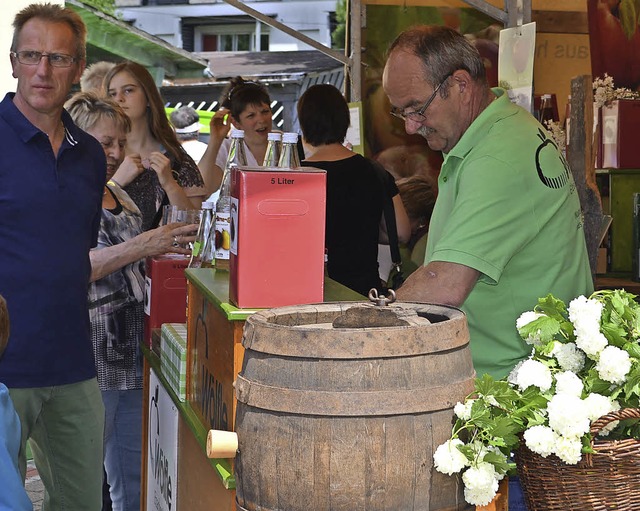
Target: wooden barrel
{"points": [[341, 406]]}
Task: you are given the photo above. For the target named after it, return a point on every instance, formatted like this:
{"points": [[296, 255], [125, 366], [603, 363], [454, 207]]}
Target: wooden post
{"points": [[581, 158]]}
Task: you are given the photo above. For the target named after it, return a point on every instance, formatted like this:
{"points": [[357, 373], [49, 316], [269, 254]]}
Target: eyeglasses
{"points": [[418, 115], [33, 58]]}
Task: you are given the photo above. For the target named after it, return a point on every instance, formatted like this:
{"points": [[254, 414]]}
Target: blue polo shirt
{"points": [[49, 217]]}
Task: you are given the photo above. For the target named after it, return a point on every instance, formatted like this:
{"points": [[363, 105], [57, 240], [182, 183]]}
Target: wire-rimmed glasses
{"points": [[33, 58], [418, 115]]}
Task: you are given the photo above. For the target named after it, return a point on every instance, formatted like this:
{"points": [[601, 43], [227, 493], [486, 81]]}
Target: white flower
{"points": [[568, 415], [480, 484], [613, 365], [513, 375], [585, 312], [590, 340], [448, 459], [598, 405], [568, 383], [608, 428], [524, 319], [541, 440], [569, 449], [491, 400], [532, 372], [463, 410], [569, 357], [615, 406]]}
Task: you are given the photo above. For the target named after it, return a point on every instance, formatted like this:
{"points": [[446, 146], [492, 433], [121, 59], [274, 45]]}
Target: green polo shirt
{"points": [[507, 206]]}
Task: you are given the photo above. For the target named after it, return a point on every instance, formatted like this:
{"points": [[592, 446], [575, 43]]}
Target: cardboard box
{"points": [[277, 236], [601, 264], [620, 128], [165, 294], [173, 357]]}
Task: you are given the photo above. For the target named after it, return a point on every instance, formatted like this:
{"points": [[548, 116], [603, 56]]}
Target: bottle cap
{"points": [[237, 133], [289, 138], [274, 135]]}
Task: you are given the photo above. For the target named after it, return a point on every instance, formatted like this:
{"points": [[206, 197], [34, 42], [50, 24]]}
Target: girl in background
{"points": [[158, 171]]}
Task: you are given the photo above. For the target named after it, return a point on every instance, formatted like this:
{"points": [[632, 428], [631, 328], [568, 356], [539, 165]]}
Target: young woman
{"points": [[158, 170], [116, 299], [245, 105], [356, 191]]}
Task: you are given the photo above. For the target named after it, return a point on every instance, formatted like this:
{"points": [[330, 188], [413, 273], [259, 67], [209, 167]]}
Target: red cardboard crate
{"points": [[165, 294], [277, 236]]}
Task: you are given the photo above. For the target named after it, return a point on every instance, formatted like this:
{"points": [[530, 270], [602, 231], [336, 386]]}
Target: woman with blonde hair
{"points": [[116, 299], [160, 171]]}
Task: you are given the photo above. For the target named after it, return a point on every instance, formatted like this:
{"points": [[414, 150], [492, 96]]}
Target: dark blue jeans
{"points": [[516, 495]]}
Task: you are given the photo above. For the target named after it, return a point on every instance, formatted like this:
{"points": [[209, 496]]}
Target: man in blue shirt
{"points": [[52, 176]]}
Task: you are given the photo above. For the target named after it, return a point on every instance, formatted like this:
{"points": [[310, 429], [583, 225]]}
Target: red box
{"points": [[165, 293], [277, 236], [620, 128]]}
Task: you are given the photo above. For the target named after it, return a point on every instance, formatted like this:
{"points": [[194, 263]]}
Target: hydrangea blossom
{"points": [[591, 341], [598, 405], [568, 415], [585, 313], [569, 449], [613, 365], [524, 319], [569, 357], [448, 459], [541, 440], [480, 484], [463, 410], [569, 383], [532, 372]]}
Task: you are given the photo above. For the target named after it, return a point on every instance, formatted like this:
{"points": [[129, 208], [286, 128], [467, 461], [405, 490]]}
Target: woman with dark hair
{"points": [[158, 171], [247, 106], [356, 191]]}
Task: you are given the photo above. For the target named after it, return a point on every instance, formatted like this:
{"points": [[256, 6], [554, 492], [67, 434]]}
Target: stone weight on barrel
{"points": [[341, 405]]}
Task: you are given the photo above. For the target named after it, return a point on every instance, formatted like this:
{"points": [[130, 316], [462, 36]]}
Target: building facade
{"points": [[206, 25]]}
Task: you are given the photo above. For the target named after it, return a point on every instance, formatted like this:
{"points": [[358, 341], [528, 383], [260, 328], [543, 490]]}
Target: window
{"points": [[238, 37]]}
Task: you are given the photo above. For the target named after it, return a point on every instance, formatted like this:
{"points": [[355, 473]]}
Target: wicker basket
{"points": [[607, 480]]}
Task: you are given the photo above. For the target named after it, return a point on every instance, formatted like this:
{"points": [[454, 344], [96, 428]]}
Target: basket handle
{"points": [[624, 413]]}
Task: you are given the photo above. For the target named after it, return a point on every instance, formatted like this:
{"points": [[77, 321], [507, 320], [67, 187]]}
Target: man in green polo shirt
{"points": [[507, 225]]}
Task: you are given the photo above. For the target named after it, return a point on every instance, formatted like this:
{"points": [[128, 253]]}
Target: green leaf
{"points": [[633, 349], [544, 328], [632, 385], [615, 334], [628, 17], [552, 307], [498, 461]]}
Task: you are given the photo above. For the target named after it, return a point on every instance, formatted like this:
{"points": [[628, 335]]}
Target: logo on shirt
{"points": [[546, 156]]}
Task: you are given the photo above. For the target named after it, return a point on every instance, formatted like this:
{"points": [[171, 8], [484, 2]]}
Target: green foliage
{"points": [[338, 37], [501, 411], [107, 6], [629, 13]]}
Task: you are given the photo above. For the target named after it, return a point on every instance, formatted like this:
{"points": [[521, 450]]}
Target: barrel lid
{"points": [[356, 329]]}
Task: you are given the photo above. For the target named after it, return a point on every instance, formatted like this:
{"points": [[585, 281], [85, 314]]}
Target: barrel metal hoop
{"points": [[350, 403]]}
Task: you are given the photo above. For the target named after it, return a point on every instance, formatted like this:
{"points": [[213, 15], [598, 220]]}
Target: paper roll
{"points": [[222, 444]]}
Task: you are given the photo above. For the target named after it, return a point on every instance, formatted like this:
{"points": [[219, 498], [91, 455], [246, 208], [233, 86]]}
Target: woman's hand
{"points": [[170, 238], [220, 124], [161, 165], [130, 168]]}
